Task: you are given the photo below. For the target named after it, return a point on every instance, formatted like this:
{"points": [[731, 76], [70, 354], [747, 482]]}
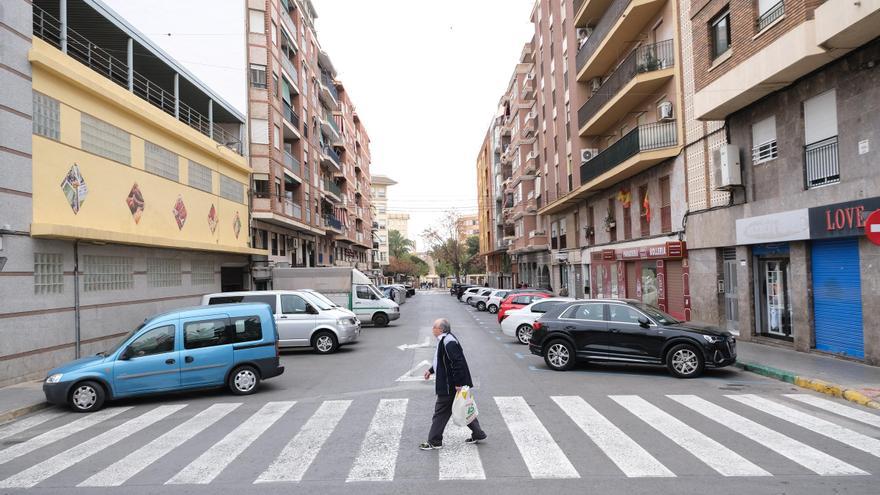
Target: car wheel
{"points": [[87, 397], [481, 306], [559, 355], [467, 301], [325, 342], [244, 380], [685, 361], [524, 334], [492, 309], [380, 320]]}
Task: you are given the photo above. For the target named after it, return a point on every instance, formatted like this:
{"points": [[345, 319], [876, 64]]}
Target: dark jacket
{"points": [[452, 369]]}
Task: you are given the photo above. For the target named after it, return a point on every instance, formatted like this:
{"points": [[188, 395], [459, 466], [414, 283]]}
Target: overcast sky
{"points": [[425, 77]]}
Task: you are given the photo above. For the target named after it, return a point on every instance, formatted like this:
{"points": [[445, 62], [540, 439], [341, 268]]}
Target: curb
{"points": [[810, 383], [11, 414]]}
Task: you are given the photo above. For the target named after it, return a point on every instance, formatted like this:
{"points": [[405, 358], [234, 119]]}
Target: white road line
{"points": [[715, 455], [542, 455], [825, 428], [50, 467], [27, 423], [629, 456], [296, 457], [839, 409], [458, 460], [801, 453], [211, 463], [122, 470], [378, 455], [59, 433]]}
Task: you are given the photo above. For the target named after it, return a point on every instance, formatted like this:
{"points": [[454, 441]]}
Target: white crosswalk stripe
{"points": [[50, 467], [458, 460], [120, 471], [378, 455], [210, 464], [839, 409], [300, 452], [808, 457], [715, 455], [542, 455], [27, 423], [59, 433], [629, 456]]}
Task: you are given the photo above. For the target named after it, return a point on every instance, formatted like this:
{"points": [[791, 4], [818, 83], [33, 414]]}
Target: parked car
{"points": [[461, 288], [479, 300], [302, 319], [493, 303], [394, 293], [410, 290], [470, 292], [628, 331], [232, 345], [518, 300], [518, 322]]}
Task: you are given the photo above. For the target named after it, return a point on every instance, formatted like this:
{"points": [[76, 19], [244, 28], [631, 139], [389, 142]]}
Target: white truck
{"points": [[346, 287]]}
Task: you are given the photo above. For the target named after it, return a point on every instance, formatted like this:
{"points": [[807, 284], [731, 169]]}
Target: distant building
{"points": [[468, 225], [399, 222], [379, 194]]}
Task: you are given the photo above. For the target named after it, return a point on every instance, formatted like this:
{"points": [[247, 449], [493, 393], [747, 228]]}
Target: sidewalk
{"points": [[20, 399], [850, 380]]}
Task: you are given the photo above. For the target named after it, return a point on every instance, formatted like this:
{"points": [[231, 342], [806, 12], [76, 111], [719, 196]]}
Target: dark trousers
{"points": [[442, 413]]}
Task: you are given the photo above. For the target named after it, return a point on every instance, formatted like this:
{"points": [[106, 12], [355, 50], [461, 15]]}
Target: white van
{"points": [[303, 320]]}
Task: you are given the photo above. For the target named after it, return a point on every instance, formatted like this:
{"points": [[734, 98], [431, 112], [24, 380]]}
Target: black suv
{"points": [[628, 331]]}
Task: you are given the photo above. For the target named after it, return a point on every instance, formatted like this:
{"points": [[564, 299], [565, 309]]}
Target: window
{"points": [[623, 314], [543, 307], [231, 189], [719, 30], [563, 241], [524, 300], [665, 205], [206, 333], [258, 76], [246, 329], [256, 21], [644, 211], [554, 236], [627, 220], [105, 140], [200, 177], [159, 161], [268, 299], [274, 33], [155, 341], [47, 116], [202, 272], [611, 221], [259, 131], [293, 305], [364, 292], [163, 272], [107, 273], [768, 11], [48, 273], [591, 226], [276, 137], [764, 140], [820, 136], [591, 311], [275, 246], [261, 188]]}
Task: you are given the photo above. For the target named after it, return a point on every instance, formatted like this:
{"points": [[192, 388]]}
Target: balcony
{"points": [[290, 71], [587, 11], [330, 158], [631, 154], [622, 22], [328, 125], [333, 190], [528, 129], [531, 164], [292, 118], [333, 224], [291, 208], [328, 93], [292, 164], [642, 73], [821, 166], [528, 86]]}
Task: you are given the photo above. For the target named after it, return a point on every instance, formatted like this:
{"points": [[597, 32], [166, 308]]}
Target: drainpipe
{"points": [[76, 297], [130, 51]]}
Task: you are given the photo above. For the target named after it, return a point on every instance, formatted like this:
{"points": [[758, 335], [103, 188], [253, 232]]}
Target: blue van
{"points": [[235, 345]]}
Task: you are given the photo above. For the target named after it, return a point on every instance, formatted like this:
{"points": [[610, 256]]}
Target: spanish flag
{"points": [[647, 207]]}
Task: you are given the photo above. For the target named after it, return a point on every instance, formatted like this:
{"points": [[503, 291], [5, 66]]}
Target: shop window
{"points": [[719, 29]]}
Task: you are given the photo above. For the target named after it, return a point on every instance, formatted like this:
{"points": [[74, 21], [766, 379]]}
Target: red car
{"points": [[519, 300]]}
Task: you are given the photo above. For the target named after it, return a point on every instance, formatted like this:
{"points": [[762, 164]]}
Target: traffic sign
{"points": [[872, 227]]}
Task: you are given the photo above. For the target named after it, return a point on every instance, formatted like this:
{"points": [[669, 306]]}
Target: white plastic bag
{"points": [[464, 408]]}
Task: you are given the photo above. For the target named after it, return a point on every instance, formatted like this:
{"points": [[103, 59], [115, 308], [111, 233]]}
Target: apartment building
{"points": [[123, 188], [468, 225], [785, 259], [307, 146], [379, 195], [400, 222]]}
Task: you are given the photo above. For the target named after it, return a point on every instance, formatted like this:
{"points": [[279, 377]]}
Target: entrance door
{"points": [[731, 302], [837, 297], [775, 303]]}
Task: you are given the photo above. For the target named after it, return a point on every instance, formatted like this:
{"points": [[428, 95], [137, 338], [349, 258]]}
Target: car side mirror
{"points": [[644, 322], [311, 310]]}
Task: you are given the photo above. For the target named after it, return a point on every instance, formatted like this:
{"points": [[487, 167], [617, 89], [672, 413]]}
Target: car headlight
{"points": [[712, 340], [54, 378], [345, 321]]}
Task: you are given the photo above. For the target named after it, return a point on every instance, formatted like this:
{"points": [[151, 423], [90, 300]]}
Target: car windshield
{"points": [[658, 316], [317, 301], [122, 341], [323, 299]]}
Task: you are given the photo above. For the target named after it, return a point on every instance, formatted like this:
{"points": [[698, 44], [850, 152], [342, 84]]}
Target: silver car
{"points": [[479, 300]]}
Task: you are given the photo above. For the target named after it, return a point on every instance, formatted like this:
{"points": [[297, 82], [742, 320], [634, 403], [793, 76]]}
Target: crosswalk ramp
{"points": [[375, 440]]}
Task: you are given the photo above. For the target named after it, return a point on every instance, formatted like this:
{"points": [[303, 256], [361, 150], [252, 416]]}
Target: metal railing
{"points": [[290, 68], [327, 81], [642, 138], [332, 123], [331, 153], [291, 115], [332, 187], [332, 222], [291, 208], [767, 18], [821, 166], [612, 14], [48, 28], [291, 163], [646, 58]]}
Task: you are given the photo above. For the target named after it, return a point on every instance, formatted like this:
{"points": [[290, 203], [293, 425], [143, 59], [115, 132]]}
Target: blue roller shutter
{"points": [[837, 297]]}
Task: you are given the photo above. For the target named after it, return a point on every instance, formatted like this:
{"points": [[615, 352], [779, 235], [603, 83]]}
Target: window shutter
{"points": [[820, 117]]}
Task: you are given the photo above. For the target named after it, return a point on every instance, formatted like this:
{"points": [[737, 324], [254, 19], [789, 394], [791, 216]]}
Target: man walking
{"points": [[452, 374]]}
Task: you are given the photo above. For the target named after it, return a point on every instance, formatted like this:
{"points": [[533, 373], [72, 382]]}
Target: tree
{"points": [[398, 245], [419, 265], [445, 247]]}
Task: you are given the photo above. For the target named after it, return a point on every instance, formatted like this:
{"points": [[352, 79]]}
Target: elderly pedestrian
{"points": [[452, 373]]}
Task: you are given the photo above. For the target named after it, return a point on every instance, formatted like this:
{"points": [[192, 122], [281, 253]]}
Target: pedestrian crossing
{"points": [[557, 437]]}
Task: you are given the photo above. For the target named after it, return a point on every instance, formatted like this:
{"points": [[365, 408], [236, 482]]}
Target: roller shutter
{"points": [[675, 289], [631, 278], [837, 297]]}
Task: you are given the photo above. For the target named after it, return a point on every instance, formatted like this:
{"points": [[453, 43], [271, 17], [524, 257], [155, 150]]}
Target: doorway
{"points": [[774, 317]]}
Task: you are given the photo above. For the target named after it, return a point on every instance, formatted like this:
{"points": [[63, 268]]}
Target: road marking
{"points": [[497, 338], [532, 367], [520, 355], [825, 428], [211, 463], [458, 460], [541, 453], [123, 469], [839, 409], [27, 423], [715, 455], [50, 467], [378, 455], [808, 457], [296, 457], [426, 343], [629, 456], [416, 374], [59, 433]]}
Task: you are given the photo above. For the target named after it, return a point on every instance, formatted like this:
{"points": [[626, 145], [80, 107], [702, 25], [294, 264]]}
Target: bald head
{"points": [[441, 326]]}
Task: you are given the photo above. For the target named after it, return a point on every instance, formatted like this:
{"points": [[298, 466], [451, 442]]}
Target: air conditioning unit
{"points": [[588, 154], [595, 84], [664, 110], [726, 165]]}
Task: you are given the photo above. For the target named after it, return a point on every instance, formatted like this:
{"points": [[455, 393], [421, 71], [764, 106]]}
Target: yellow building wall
{"points": [[104, 215]]}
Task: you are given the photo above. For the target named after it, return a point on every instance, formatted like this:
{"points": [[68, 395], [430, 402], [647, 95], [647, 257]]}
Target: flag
{"points": [[647, 207]]}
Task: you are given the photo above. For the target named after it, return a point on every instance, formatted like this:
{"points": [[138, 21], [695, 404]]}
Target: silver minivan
{"points": [[303, 319]]}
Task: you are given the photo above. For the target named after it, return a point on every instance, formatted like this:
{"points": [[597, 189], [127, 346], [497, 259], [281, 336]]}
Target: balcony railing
{"points": [[331, 187], [646, 58], [771, 15], [291, 208], [291, 163], [290, 68], [821, 166], [615, 10], [332, 222], [327, 81], [643, 138], [48, 28], [331, 153], [291, 116], [332, 122]]}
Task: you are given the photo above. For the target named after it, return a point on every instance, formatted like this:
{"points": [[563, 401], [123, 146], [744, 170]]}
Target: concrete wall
{"points": [[869, 256]]}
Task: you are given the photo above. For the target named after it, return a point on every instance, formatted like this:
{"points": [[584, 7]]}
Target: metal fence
{"points": [[767, 18], [821, 166], [642, 138]]}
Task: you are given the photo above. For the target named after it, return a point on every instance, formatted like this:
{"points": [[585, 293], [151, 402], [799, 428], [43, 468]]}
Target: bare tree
{"points": [[444, 244]]}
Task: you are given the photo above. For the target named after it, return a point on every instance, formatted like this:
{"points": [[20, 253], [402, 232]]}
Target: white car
{"points": [[469, 293], [479, 301], [518, 322], [495, 299]]}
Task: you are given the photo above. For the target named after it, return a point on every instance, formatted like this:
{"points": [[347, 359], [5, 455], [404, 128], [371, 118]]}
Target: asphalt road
{"points": [[351, 423]]}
